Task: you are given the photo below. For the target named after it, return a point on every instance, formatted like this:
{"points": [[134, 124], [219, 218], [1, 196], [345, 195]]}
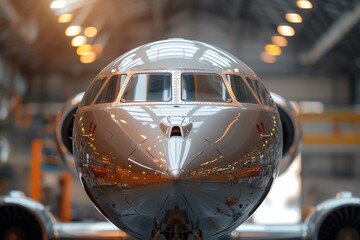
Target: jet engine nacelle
{"points": [[63, 131], [290, 122], [22, 218], [337, 218], [289, 114]]}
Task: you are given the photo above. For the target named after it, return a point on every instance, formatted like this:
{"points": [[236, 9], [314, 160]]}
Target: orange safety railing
{"points": [[335, 134], [36, 179]]}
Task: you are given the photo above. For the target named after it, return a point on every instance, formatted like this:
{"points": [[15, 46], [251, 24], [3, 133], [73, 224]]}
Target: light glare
{"points": [[272, 49], [78, 41], [90, 32], [88, 58], [286, 30], [304, 4], [72, 31], [84, 49], [280, 41], [293, 18], [58, 4], [267, 58], [65, 18]]}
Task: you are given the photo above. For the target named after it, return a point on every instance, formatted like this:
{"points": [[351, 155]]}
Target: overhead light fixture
{"points": [[273, 49], [90, 31], [293, 18], [65, 18], [304, 4], [72, 31], [78, 41], [286, 30], [267, 58], [84, 49], [280, 41], [56, 4], [88, 58]]}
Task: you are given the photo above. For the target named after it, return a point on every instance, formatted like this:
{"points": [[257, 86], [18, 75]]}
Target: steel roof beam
{"points": [[330, 38]]}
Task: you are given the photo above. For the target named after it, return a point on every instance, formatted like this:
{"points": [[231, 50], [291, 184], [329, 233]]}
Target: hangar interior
{"points": [[305, 51]]}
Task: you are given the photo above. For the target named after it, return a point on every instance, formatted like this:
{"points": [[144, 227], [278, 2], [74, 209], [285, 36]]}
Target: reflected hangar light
{"points": [[273, 49], [62, 9], [293, 17], [88, 58], [83, 49], [286, 30], [279, 40], [90, 31], [304, 4], [158, 53], [65, 18], [57, 4], [265, 57], [78, 41], [72, 31]]}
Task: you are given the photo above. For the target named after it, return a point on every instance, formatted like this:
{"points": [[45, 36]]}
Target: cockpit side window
{"points": [[203, 87], [111, 89], [93, 91], [148, 87], [241, 91], [260, 91]]}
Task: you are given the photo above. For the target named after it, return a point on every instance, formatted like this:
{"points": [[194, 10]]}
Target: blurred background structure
{"points": [[306, 51]]}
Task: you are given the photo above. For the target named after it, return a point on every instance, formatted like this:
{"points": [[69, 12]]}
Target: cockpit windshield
{"points": [[149, 87], [203, 87], [239, 88]]}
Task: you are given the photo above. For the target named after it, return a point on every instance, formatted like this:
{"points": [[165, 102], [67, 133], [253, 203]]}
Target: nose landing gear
{"points": [[176, 228]]}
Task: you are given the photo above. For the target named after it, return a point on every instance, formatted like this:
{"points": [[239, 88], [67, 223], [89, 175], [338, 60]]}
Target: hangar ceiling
{"points": [[30, 35]]}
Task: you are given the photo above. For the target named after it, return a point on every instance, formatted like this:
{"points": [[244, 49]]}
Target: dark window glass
{"points": [[260, 91], [111, 89], [203, 88], [93, 91], [242, 93], [151, 87]]}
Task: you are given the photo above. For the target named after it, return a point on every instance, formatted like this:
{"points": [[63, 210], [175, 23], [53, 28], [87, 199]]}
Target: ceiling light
{"points": [[90, 32], [72, 31], [267, 58], [280, 41], [58, 4], [65, 18], [304, 4], [84, 49], [78, 41], [293, 18], [286, 30], [88, 58], [272, 49]]}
